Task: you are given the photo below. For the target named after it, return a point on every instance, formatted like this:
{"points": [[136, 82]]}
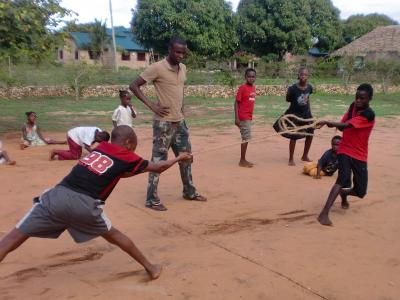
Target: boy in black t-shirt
{"points": [[327, 164], [76, 203], [298, 95]]}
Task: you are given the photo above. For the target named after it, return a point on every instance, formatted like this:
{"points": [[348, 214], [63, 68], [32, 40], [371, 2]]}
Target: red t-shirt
{"points": [[355, 139], [245, 97]]}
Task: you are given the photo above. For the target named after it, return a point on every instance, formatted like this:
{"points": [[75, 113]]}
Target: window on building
{"points": [[359, 62], [94, 54], [125, 55], [76, 54], [141, 56], [60, 54]]}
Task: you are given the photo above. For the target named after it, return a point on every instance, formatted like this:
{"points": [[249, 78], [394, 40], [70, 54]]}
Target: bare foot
{"points": [[154, 271], [11, 162], [291, 162], [22, 146], [245, 164], [324, 220], [305, 158], [52, 155]]}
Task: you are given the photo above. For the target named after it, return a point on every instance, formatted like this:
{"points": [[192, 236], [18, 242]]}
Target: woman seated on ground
{"points": [[31, 134]]}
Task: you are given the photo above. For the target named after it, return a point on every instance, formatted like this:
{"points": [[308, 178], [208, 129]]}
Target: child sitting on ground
{"points": [[76, 203], [327, 164], [31, 134], [124, 113], [244, 107], [4, 158]]}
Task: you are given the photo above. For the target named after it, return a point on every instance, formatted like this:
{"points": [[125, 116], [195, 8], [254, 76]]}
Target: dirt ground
{"points": [[256, 238]]}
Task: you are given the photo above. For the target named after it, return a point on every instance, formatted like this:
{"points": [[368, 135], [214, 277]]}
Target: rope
{"points": [[292, 129]]}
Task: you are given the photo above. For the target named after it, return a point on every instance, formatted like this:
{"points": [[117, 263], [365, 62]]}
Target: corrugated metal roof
{"points": [[124, 38]]}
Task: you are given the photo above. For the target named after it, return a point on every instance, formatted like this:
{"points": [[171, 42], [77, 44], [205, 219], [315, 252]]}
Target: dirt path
{"points": [[256, 237]]}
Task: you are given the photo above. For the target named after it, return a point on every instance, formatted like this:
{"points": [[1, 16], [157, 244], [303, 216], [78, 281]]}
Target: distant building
{"points": [[382, 43], [129, 52]]}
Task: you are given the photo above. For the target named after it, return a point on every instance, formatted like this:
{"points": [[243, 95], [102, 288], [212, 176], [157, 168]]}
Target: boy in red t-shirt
{"points": [[356, 124], [244, 106]]}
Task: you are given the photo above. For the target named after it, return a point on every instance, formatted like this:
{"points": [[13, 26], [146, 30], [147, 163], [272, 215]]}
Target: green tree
{"points": [[98, 39], [207, 26], [25, 28], [278, 26], [72, 26], [358, 25], [325, 24]]}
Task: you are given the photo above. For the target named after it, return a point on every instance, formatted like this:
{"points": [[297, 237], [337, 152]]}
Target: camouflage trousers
{"points": [[167, 135]]}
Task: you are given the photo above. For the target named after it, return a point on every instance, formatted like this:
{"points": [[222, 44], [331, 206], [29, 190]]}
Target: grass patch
{"points": [[60, 114]]}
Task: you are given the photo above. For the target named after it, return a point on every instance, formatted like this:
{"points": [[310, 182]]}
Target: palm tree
{"points": [[98, 39]]}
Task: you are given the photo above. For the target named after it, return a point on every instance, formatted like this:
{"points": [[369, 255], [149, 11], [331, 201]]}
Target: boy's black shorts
{"points": [[348, 165]]}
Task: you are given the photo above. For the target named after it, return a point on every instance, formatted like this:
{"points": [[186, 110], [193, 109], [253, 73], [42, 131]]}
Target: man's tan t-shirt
{"points": [[169, 85]]}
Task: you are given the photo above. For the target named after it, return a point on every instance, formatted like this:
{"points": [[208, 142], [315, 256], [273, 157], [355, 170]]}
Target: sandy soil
{"points": [[256, 237]]}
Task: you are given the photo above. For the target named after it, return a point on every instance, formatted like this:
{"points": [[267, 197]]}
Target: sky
{"points": [[88, 10]]}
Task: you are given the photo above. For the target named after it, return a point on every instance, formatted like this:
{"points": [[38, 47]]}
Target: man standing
{"points": [[169, 127]]}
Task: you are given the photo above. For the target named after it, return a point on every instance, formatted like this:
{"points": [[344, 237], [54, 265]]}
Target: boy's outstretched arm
{"points": [[161, 166], [339, 125]]}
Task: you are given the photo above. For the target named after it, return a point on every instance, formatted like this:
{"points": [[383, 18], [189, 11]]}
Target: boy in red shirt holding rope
{"points": [[356, 124]]}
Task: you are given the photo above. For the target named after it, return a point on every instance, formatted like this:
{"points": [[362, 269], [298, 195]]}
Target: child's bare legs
{"points": [[243, 162], [292, 146], [114, 236], [7, 158], [323, 217], [11, 241], [307, 146]]}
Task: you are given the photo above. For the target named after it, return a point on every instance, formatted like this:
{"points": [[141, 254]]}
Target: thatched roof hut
{"points": [[381, 43]]}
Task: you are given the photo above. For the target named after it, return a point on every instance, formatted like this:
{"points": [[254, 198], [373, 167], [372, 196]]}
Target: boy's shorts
{"points": [[245, 130], [348, 165], [60, 209]]}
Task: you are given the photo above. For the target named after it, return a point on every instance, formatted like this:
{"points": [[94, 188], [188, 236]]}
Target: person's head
{"points": [[335, 142], [250, 76], [101, 136], [303, 75], [31, 116], [364, 94], [177, 48], [125, 97], [124, 136]]}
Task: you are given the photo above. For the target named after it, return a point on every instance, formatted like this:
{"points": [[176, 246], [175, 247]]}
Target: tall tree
{"points": [[98, 39], [358, 25], [325, 24], [208, 26], [25, 28], [278, 26]]}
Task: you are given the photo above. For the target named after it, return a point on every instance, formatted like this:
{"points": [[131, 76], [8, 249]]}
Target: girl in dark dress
{"points": [[298, 95]]}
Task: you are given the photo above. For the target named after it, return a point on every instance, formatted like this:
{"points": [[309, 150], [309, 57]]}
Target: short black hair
{"points": [[122, 132], [249, 70], [302, 68], [176, 40], [366, 87], [28, 113], [104, 136], [123, 93], [336, 137]]}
